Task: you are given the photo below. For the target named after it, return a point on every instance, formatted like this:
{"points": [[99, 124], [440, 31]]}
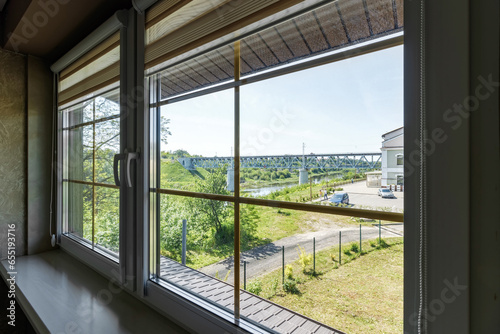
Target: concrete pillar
{"points": [[230, 179], [303, 176]]}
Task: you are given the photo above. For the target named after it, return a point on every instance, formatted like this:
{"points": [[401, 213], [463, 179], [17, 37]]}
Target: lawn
{"points": [[362, 295]]}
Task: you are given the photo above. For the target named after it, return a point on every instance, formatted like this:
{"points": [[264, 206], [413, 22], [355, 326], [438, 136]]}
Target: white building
{"points": [[392, 157]]}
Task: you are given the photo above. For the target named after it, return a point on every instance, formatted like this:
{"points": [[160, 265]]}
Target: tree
{"points": [[212, 213], [164, 129]]}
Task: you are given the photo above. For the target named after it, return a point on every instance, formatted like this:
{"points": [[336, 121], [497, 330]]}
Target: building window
{"points": [[399, 159]]}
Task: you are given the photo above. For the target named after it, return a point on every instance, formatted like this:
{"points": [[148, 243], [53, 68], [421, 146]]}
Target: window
{"points": [[91, 138], [250, 137], [399, 159]]}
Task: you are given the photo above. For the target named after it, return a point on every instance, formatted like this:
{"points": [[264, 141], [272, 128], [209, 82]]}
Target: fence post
{"points": [[379, 234], [314, 255], [360, 240], [184, 232], [244, 275], [340, 247], [311, 188], [283, 263]]}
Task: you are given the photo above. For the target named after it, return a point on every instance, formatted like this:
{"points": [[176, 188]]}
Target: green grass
{"points": [[362, 295], [174, 176]]}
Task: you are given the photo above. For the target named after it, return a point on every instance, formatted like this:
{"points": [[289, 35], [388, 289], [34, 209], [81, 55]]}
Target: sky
{"points": [[341, 107]]}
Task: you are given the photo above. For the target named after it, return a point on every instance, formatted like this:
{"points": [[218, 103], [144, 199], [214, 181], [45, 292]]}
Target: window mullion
{"points": [[93, 174], [158, 173], [237, 72]]}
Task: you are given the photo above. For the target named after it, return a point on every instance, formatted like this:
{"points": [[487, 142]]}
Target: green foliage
{"points": [[347, 252], [289, 271], [249, 220], [354, 248], [290, 285], [304, 258], [274, 286], [212, 214], [255, 287]]}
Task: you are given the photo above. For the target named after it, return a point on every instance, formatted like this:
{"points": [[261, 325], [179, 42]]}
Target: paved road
{"points": [[264, 259], [367, 198]]}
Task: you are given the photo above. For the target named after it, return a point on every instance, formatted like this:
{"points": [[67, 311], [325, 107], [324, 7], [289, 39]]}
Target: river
{"points": [[256, 191]]}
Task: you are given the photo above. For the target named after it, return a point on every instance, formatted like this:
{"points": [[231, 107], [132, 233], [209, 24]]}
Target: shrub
{"points": [[290, 286], [304, 258], [255, 287], [355, 248], [274, 286], [383, 244], [289, 271], [347, 252], [332, 257]]}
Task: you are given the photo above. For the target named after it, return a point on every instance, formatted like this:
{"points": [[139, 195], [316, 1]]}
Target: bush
{"points": [[290, 286], [289, 271], [304, 258], [255, 287], [347, 252], [355, 248], [274, 286]]}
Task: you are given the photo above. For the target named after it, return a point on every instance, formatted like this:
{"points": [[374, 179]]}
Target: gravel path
{"points": [[264, 259]]}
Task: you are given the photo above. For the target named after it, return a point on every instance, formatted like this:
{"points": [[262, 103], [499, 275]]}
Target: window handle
{"points": [[130, 156], [117, 158]]}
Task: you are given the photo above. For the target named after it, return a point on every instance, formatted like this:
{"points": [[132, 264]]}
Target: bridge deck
{"points": [[271, 315]]}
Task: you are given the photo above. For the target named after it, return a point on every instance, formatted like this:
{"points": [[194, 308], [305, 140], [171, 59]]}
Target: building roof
{"points": [[393, 139]]}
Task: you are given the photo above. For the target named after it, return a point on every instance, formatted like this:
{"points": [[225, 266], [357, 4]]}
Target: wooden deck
{"points": [[268, 314]]}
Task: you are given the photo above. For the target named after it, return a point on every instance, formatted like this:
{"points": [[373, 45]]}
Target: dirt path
{"points": [[264, 259]]}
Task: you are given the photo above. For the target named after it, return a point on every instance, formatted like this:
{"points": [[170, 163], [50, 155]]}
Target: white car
{"points": [[386, 193]]}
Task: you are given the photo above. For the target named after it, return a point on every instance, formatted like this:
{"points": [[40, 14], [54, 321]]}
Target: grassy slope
{"points": [[363, 295]]}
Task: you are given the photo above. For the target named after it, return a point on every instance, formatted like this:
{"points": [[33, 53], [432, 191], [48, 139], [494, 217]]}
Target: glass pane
{"points": [[209, 69], [331, 27], [107, 138], [107, 105], [209, 238], [80, 153], [312, 136], [197, 144], [79, 114], [79, 209], [107, 218], [292, 259]]}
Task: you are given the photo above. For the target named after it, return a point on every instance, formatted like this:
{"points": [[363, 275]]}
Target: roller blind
{"points": [[94, 70], [175, 26]]}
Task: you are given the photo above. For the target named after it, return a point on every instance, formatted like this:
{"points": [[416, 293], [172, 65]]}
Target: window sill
{"points": [[61, 295]]}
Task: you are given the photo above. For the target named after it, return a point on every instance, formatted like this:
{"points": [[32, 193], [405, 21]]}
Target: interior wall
{"points": [[39, 148], [12, 149]]}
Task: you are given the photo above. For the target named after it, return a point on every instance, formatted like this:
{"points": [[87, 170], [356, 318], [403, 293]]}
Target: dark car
{"points": [[340, 197]]}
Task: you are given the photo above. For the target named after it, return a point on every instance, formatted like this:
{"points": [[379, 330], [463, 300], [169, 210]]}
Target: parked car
{"points": [[340, 197], [386, 193]]}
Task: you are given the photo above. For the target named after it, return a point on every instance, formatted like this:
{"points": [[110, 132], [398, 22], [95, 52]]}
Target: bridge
{"points": [[324, 161]]}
